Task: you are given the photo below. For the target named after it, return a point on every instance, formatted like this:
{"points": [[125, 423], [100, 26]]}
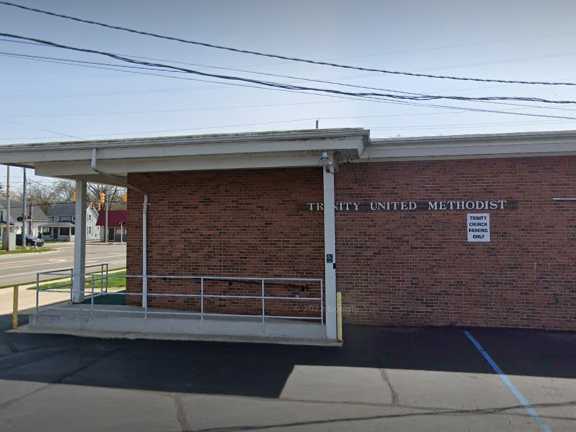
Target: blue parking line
{"points": [[506, 381]]}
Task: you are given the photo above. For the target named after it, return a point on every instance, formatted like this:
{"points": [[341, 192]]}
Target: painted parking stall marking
{"points": [[506, 381]]}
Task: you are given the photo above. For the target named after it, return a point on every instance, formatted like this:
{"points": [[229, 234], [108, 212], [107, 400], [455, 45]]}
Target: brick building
{"points": [[475, 230]]}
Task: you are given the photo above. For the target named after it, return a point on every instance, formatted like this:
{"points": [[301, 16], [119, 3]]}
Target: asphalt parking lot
{"points": [[382, 380]]}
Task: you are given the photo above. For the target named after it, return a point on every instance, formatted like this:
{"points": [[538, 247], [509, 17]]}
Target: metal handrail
{"points": [[263, 297], [104, 273], [232, 278]]}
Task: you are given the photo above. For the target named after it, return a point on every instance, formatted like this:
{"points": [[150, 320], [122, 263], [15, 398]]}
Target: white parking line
{"points": [[506, 381]]}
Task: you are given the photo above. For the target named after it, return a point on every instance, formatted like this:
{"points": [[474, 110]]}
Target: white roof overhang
{"points": [[115, 159], [552, 143]]}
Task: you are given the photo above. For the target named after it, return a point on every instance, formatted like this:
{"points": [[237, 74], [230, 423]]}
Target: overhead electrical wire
{"points": [[252, 72], [279, 56], [424, 97], [51, 131], [251, 125], [128, 69], [368, 99]]}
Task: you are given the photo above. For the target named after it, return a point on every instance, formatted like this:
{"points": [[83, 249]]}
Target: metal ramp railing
{"points": [[143, 304]]}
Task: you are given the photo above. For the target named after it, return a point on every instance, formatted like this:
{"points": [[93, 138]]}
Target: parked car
{"points": [[30, 241]]}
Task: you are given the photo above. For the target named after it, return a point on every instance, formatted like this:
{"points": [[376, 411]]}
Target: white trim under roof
{"points": [[278, 149], [115, 159], [552, 143]]}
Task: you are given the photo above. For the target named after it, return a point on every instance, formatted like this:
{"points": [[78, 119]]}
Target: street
{"points": [[21, 268]]}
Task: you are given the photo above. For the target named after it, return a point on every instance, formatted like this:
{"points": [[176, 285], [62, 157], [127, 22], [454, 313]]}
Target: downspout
{"points": [[145, 255], [144, 232]]}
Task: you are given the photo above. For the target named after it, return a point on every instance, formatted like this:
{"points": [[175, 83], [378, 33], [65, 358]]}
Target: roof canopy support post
{"points": [[79, 243], [329, 246]]}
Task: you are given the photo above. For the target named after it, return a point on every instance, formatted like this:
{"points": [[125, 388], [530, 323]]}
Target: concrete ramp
{"points": [[128, 322]]}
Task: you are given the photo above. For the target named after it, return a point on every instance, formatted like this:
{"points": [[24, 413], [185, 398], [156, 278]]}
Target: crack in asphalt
{"points": [[11, 346], [86, 366], [11, 358]]}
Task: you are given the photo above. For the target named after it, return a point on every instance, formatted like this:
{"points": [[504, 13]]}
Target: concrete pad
{"points": [[87, 409], [444, 390], [204, 412], [337, 384], [480, 397], [124, 321], [235, 414], [554, 399], [12, 391], [176, 337]]}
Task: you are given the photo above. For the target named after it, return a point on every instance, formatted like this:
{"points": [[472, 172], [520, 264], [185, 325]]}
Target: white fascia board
{"points": [[496, 146], [91, 178], [316, 140], [354, 144], [122, 167], [31, 157]]}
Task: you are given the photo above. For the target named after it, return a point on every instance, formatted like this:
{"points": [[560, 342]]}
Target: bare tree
{"points": [[42, 195], [112, 193], [64, 190]]}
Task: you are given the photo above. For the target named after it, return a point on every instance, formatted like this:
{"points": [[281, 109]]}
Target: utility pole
{"points": [[106, 208], [8, 239], [24, 209]]}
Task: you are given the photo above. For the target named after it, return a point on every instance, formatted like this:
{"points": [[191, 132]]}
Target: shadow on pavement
{"points": [[262, 370]]}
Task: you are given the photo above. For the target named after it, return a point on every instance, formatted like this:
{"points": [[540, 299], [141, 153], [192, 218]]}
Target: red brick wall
{"points": [[416, 268], [394, 268], [230, 223]]}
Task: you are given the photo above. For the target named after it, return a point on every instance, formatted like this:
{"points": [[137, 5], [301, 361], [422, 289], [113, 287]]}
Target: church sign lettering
{"points": [[408, 206]]}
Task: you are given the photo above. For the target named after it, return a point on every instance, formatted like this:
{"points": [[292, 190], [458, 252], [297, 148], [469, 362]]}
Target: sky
{"points": [[512, 39]]}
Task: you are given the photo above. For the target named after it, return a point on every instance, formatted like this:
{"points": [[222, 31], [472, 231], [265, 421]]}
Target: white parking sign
{"points": [[478, 227]]}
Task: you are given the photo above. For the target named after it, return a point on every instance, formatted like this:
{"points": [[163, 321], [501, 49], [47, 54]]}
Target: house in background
{"points": [[117, 221], [37, 217], [61, 222]]}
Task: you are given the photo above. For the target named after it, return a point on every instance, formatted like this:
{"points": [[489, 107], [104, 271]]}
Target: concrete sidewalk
{"points": [[27, 299]]}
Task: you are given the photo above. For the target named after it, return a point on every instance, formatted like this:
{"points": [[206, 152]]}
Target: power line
{"points": [[201, 65], [234, 78], [53, 132], [308, 119], [113, 66], [279, 56], [302, 120], [125, 69], [71, 61], [369, 99], [263, 73]]}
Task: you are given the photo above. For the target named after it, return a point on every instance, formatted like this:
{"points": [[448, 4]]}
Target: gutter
{"points": [[144, 231]]}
